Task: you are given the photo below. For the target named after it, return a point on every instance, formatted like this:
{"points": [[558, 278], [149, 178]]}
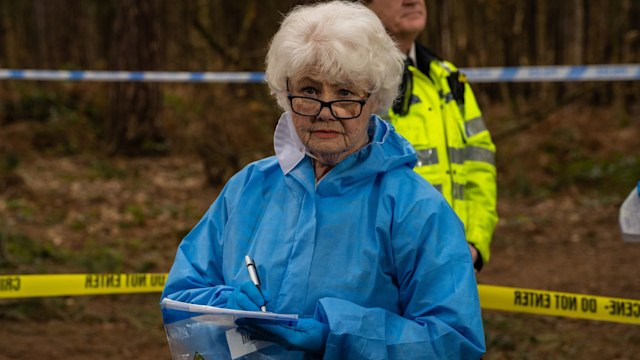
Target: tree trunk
{"points": [[134, 124], [544, 48], [576, 34], [445, 31], [59, 44], [4, 28]]}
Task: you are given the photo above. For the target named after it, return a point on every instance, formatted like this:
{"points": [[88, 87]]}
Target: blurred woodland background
{"points": [[108, 177], [228, 124]]}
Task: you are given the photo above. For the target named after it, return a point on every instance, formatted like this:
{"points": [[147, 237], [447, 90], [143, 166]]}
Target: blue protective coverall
{"points": [[371, 249]]}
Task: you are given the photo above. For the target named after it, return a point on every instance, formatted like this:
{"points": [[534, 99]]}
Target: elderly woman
{"points": [[343, 232]]}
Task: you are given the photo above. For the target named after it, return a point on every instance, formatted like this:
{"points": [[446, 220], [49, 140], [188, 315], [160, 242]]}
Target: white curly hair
{"points": [[343, 41]]}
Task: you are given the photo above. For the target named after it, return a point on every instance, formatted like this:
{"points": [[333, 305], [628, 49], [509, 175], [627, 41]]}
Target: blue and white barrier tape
{"points": [[554, 73], [622, 72], [138, 76]]}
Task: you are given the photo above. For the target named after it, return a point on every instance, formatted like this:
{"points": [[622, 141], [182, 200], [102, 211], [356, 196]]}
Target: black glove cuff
{"points": [[478, 263]]}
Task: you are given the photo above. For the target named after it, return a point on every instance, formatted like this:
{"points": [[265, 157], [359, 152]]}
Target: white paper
{"points": [[212, 310]]}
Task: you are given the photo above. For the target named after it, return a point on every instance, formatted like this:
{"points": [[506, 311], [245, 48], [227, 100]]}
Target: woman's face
{"points": [[326, 137]]}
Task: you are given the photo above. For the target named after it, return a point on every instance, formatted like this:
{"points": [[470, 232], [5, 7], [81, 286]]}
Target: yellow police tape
{"points": [[555, 303], [539, 302], [21, 286]]}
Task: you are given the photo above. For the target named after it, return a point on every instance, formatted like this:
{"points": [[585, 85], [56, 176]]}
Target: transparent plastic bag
{"points": [[196, 338], [630, 216], [198, 332]]}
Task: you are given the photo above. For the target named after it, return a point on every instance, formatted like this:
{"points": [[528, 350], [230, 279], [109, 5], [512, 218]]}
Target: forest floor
{"points": [[561, 184]]}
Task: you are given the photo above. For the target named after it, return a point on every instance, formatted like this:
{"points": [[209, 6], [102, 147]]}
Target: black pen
{"points": [[253, 274]]}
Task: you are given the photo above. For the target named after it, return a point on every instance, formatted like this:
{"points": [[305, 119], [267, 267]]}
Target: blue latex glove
{"points": [[247, 297], [307, 335]]}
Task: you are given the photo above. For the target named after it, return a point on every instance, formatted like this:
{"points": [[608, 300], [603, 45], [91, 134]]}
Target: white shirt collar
{"points": [[412, 54], [287, 145]]}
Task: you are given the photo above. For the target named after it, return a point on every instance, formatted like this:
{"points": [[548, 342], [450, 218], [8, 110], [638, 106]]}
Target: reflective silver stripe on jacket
{"points": [[474, 126], [427, 156], [476, 153], [447, 97], [458, 191], [456, 155]]}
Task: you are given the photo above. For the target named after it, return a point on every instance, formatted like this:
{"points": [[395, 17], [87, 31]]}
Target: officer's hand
{"points": [[474, 253], [307, 335], [247, 297]]}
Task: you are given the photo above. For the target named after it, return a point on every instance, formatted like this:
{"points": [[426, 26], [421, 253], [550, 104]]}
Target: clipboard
{"points": [[207, 332]]}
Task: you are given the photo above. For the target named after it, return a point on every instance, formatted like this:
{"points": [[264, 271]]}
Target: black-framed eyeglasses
{"points": [[340, 109]]}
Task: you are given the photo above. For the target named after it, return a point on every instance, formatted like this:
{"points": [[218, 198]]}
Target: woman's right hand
{"points": [[247, 297]]}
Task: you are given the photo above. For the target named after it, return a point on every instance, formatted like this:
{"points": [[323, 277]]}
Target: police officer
{"points": [[438, 113]]}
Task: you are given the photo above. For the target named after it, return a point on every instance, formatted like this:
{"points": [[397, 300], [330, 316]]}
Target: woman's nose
{"points": [[325, 114]]}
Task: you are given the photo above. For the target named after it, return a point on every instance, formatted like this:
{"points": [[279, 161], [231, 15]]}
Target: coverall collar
{"points": [[384, 151]]}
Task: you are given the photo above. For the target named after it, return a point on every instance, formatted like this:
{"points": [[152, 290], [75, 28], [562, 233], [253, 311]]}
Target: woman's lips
{"points": [[325, 134]]}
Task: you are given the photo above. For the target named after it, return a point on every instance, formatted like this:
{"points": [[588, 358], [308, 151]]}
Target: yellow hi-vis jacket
{"points": [[455, 151]]}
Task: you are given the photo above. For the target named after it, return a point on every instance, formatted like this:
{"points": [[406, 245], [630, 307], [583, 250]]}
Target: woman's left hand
{"points": [[307, 335]]}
